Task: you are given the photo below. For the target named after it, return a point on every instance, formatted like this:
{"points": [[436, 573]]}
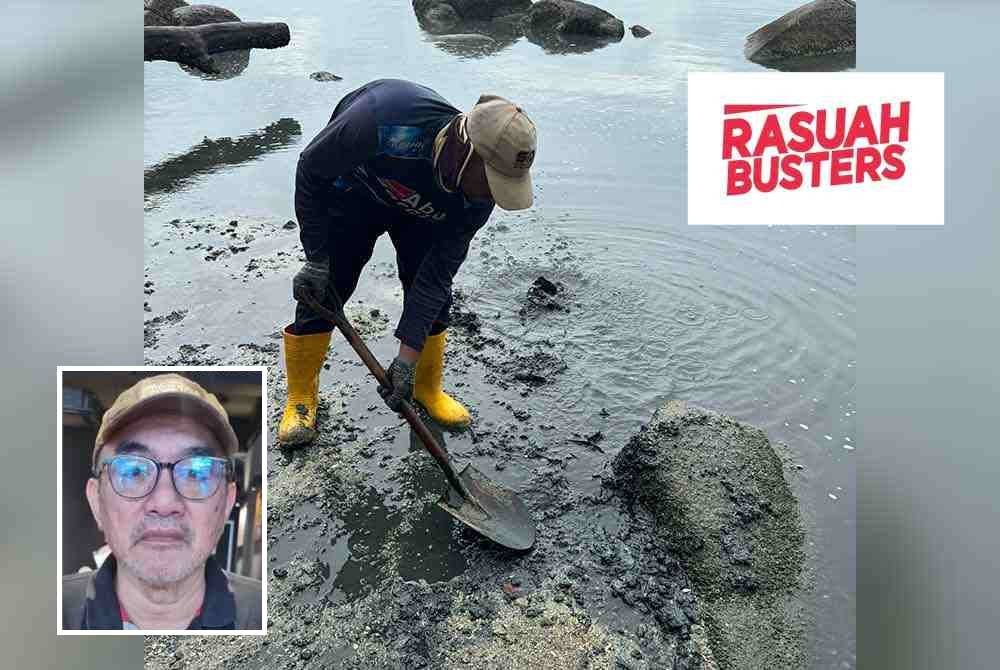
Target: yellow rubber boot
{"points": [[427, 386], [304, 356]]}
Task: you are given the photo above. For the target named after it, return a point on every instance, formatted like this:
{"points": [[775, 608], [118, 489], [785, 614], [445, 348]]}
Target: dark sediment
{"points": [[718, 493], [610, 584], [364, 571], [151, 328]]}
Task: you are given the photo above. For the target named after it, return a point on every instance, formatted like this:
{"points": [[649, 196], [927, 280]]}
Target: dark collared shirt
{"points": [[232, 602]]}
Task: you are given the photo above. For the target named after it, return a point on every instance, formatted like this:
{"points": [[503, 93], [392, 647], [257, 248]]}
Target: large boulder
{"points": [[441, 16], [572, 18], [817, 28], [718, 492]]}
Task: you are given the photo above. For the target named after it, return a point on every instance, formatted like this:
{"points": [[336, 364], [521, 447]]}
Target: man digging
{"points": [[397, 158]]}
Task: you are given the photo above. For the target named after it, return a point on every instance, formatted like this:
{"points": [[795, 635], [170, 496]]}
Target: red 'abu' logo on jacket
{"points": [[409, 200]]}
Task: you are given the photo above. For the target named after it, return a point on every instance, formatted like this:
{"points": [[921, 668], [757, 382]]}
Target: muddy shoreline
{"points": [[365, 571]]}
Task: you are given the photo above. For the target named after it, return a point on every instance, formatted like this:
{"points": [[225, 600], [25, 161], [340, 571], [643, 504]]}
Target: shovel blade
{"points": [[493, 511]]}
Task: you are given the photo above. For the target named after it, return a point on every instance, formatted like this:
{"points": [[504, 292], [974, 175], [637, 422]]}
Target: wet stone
{"points": [[323, 75]]}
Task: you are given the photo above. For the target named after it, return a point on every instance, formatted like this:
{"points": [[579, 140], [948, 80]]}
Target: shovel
{"points": [[472, 498]]}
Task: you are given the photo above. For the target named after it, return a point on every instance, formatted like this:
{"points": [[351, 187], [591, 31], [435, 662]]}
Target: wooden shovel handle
{"points": [[338, 317]]}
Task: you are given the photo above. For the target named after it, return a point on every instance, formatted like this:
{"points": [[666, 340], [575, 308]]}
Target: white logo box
{"points": [[915, 198]]}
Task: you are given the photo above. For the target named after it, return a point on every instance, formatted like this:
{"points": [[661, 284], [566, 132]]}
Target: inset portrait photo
{"points": [[161, 513]]}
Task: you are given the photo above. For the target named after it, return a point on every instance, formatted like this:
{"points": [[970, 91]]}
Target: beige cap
{"points": [[505, 138], [167, 393]]}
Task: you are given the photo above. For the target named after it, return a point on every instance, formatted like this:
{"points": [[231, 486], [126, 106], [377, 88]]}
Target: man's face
{"points": [[163, 537]]}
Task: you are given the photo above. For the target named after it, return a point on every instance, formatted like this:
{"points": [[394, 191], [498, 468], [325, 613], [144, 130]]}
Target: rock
{"points": [[817, 28], [441, 15], [436, 17], [640, 31], [160, 12], [227, 64], [290, 225], [472, 28], [198, 15], [153, 19], [322, 75], [716, 489], [569, 17]]}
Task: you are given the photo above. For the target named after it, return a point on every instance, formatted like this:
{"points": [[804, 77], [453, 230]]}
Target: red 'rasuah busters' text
{"points": [[818, 148]]}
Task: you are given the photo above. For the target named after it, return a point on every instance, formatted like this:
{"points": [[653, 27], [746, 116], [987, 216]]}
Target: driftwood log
{"points": [[193, 45]]}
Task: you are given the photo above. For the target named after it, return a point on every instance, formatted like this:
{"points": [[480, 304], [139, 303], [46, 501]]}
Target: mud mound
{"points": [[717, 491]]}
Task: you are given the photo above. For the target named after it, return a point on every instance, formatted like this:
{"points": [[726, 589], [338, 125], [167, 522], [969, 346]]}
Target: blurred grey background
{"points": [[87, 394], [70, 279], [929, 365], [928, 325]]}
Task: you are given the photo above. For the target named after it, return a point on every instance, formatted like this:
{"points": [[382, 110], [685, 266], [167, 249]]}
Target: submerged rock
{"points": [[717, 491], [817, 28]]}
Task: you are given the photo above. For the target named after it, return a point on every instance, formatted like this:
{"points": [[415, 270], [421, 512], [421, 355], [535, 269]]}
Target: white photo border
{"points": [[59, 490]]}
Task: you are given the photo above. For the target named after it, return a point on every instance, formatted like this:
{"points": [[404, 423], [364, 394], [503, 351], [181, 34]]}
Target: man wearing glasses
{"points": [[161, 490], [398, 158]]}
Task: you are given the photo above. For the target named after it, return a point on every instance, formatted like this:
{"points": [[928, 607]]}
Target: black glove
{"points": [[401, 377], [312, 280]]}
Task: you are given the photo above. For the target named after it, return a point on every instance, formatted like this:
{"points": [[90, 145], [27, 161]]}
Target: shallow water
{"points": [[757, 322]]}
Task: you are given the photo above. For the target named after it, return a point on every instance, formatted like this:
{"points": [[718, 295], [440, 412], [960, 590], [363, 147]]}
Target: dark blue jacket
{"points": [[380, 142]]}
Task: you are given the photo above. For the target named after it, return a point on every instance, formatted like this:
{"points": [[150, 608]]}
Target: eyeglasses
{"points": [[194, 478]]}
